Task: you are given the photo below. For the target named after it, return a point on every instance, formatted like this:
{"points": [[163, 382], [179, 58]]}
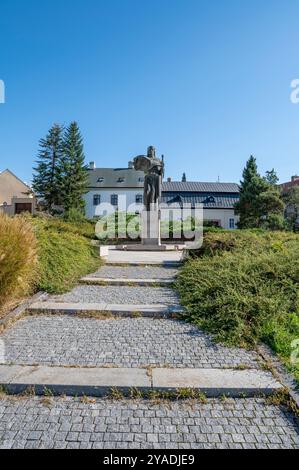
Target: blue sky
{"points": [[206, 82]]}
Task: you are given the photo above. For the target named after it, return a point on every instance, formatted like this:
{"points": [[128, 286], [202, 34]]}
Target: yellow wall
{"points": [[11, 186]]}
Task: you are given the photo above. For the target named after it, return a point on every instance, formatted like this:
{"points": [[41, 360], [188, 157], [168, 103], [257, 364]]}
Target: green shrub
{"points": [[74, 215], [43, 253], [84, 227], [18, 258], [64, 255], [243, 287], [116, 226]]}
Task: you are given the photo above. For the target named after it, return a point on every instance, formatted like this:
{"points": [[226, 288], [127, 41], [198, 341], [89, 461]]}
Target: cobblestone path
{"points": [[37, 423], [73, 341], [127, 342]]}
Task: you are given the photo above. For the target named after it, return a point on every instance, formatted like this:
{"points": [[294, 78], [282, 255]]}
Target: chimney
{"points": [[92, 166], [131, 165], [169, 180]]}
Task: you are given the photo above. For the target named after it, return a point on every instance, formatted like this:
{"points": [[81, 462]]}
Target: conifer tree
{"points": [[47, 171], [260, 200], [73, 172], [271, 177], [291, 199]]}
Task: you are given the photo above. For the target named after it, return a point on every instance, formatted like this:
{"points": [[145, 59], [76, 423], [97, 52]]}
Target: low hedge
{"points": [[243, 287], [64, 254], [42, 254]]}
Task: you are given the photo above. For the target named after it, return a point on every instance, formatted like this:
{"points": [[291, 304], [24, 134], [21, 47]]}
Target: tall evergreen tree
{"points": [[260, 204], [251, 187], [259, 198], [291, 199], [73, 175], [271, 177], [47, 171]]}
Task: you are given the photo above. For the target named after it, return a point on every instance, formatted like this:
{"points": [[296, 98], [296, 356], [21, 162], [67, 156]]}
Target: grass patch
{"points": [[243, 288]]}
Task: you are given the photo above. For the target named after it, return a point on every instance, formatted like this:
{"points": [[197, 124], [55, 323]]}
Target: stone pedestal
{"points": [[150, 228]]}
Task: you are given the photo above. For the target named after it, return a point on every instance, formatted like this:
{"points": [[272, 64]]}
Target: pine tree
{"points": [[47, 170], [260, 200], [291, 199], [251, 187], [271, 177], [73, 175]]}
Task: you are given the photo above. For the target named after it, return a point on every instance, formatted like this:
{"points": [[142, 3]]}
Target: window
{"points": [[101, 180], [210, 200], [121, 180], [139, 199], [212, 223], [232, 223], [141, 180], [114, 200], [96, 199]]}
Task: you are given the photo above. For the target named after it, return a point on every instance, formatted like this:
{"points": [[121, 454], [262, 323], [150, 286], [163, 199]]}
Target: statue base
{"points": [[150, 228], [153, 248], [151, 236]]}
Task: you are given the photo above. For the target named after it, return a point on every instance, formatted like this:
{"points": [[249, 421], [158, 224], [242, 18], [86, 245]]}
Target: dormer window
{"points": [[121, 179], [101, 180]]}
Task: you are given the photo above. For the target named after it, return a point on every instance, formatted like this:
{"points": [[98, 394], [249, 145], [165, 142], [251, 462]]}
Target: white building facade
{"points": [[218, 200], [121, 189], [113, 189]]}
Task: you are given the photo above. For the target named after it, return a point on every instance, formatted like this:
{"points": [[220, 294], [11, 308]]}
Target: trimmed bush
{"points": [[243, 287], [41, 253], [18, 258], [64, 254]]}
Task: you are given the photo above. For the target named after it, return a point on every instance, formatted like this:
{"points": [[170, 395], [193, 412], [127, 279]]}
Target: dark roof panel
{"points": [[219, 201], [114, 178], [178, 186]]}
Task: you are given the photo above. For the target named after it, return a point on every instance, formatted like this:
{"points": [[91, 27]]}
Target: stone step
{"points": [[121, 310], [115, 257], [151, 248], [99, 381], [124, 295], [166, 264], [104, 341], [103, 281], [135, 272]]}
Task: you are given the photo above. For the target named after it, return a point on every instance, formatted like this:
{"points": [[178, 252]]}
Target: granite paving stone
{"points": [[119, 295], [136, 272], [176, 435], [126, 342], [97, 423]]}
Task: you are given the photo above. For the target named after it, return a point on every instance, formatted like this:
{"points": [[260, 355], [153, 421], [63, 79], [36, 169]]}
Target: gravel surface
{"points": [[128, 342], [119, 295], [136, 272], [104, 424]]}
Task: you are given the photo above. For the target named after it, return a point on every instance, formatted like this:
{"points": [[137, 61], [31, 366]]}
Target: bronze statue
{"points": [[153, 168]]}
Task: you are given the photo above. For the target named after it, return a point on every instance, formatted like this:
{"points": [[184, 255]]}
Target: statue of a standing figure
{"points": [[153, 168]]}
